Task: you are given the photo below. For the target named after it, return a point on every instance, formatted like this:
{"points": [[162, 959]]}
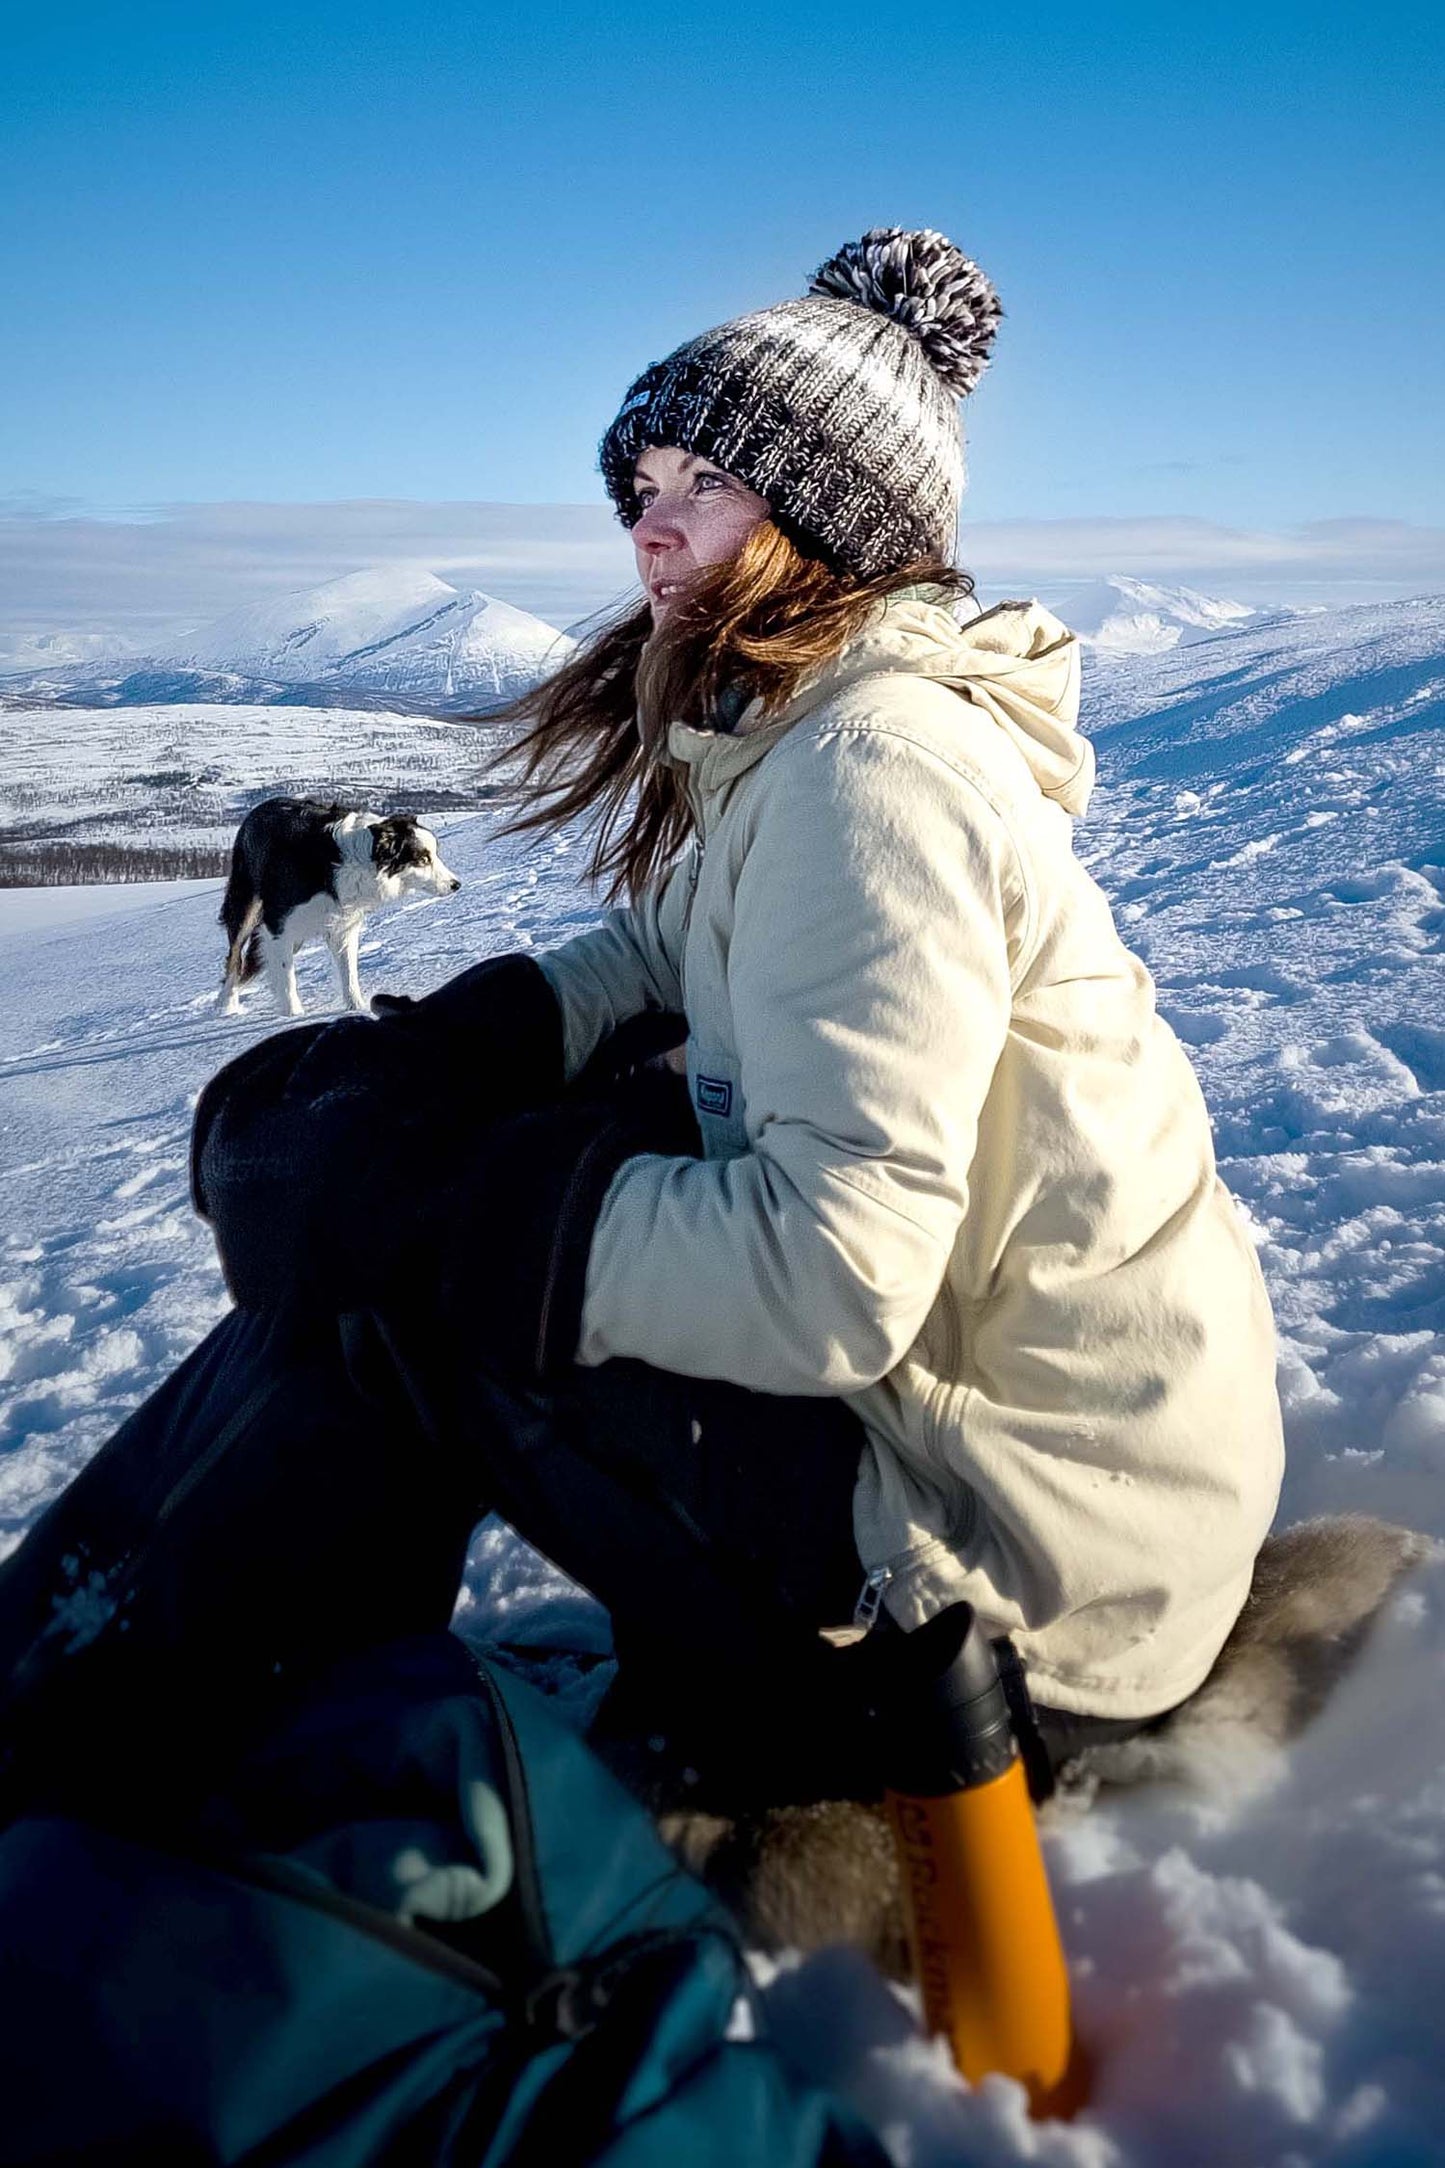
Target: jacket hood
{"points": [[1017, 662]]}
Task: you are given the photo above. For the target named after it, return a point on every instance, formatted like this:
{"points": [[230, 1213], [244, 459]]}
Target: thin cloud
{"points": [[1338, 560], [157, 571]]}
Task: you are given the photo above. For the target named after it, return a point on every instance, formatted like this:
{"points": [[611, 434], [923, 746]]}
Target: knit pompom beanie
{"points": [[841, 408]]}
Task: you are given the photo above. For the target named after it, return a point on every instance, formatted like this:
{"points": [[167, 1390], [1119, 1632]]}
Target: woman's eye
{"points": [[719, 479], [644, 497]]}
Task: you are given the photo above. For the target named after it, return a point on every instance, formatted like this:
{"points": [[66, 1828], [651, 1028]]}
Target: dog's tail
{"points": [[240, 914], [243, 957], [240, 895], [251, 950]]}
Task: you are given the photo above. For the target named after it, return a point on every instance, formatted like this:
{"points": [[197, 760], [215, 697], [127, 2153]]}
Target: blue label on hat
{"points": [[714, 1095]]}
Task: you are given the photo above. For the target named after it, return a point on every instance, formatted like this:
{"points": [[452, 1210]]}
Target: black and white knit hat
{"points": [[841, 408]]}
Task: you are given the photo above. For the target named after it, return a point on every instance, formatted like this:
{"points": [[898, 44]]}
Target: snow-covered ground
{"points": [[185, 774], [1261, 1979]]}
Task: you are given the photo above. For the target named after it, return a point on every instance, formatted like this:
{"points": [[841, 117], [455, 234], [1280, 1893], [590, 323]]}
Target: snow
{"points": [[25, 912], [305, 635], [391, 628], [37, 651], [185, 773], [1140, 617], [1259, 1976]]}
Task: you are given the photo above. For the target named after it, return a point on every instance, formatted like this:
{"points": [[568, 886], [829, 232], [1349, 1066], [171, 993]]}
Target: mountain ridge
{"points": [[397, 631], [1121, 615]]}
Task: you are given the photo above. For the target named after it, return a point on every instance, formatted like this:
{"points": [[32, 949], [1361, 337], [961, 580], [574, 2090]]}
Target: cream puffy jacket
{"points": [[957, 1169]]}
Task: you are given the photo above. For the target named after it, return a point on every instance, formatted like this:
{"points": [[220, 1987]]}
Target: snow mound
{"points": [[1135, 617]]}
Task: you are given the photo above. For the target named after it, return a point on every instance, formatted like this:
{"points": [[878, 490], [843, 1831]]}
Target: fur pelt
{"points": [[803, 1877], [1316, 1591]]}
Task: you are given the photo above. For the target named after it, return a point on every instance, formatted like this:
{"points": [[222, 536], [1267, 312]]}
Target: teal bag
{"points": [[421, 1924]]}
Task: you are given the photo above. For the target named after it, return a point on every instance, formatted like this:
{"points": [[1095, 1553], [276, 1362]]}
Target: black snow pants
{"points": [[300, 1488]]}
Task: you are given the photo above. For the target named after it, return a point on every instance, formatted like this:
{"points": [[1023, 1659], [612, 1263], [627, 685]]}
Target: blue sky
{"points": [[323, 252]]}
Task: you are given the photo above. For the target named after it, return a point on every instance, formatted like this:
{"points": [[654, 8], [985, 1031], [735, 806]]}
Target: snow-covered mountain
{"points": [[393, 632], [1124, 616], [396, 628], [310, 634], [397, 634]]}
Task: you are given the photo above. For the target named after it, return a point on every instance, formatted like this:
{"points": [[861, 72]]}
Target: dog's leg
{"points": [[230, 999], [278, 959], [343, 944], [293, 999]]}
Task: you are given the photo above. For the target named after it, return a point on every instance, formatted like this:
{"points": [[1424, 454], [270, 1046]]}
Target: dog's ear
{"points": [[394, 844], [385, 838]]}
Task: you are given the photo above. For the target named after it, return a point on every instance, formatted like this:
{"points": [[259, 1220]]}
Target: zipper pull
{"points": [[870, 1598]]}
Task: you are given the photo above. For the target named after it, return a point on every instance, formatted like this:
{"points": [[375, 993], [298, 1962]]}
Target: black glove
{"points": [[484, 1246], [309, 1151], [513, 1238], [495, 1029], [513, 1232]]}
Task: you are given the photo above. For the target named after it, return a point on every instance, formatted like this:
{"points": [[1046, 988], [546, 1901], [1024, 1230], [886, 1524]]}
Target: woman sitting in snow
{"points": [[929, 1292]]}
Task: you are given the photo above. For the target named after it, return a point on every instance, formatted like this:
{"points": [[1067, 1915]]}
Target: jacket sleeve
{"points": [[631, 962], [877, 907]]}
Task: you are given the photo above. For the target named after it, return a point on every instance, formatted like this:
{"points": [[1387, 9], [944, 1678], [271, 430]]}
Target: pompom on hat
{"points": [[841, 408]]}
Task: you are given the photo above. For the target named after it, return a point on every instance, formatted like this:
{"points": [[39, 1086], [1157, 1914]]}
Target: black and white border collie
{"points": [[303, 871]]}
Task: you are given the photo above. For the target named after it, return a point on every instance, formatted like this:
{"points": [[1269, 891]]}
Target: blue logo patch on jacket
{"points": [[714, 1095]]}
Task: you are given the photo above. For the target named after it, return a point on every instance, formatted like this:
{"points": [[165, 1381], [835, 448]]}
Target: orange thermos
{"points": [[981, 1923]]}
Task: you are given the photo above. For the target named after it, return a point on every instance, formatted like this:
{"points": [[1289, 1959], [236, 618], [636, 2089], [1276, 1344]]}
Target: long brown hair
{"points": [[595, 739]]}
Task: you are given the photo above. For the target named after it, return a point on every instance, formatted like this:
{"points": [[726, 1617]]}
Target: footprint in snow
{"points": [[1264, 980]]}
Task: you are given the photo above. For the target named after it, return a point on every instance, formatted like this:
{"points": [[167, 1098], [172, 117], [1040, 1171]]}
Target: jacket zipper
{"points": [[565, 1999], [870, 1598], [699, 849], [215, 1452]]}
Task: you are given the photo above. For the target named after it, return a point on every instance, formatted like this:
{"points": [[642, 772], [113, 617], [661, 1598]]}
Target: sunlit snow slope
{"points": [[396, 627], [1140, 617], [390, 629], [1261, 1980]]}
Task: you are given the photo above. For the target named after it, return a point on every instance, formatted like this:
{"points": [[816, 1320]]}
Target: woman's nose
{"points": [[657, 529]]}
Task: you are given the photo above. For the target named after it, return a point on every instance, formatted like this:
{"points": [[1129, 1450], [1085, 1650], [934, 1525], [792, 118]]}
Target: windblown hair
{"points": [[595, 736]]}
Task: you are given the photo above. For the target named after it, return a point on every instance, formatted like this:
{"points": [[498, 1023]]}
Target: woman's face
{"points": [[693, 515]]}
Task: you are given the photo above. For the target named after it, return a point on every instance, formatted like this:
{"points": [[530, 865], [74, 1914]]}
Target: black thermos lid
{"points": [[944, 1714]]}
